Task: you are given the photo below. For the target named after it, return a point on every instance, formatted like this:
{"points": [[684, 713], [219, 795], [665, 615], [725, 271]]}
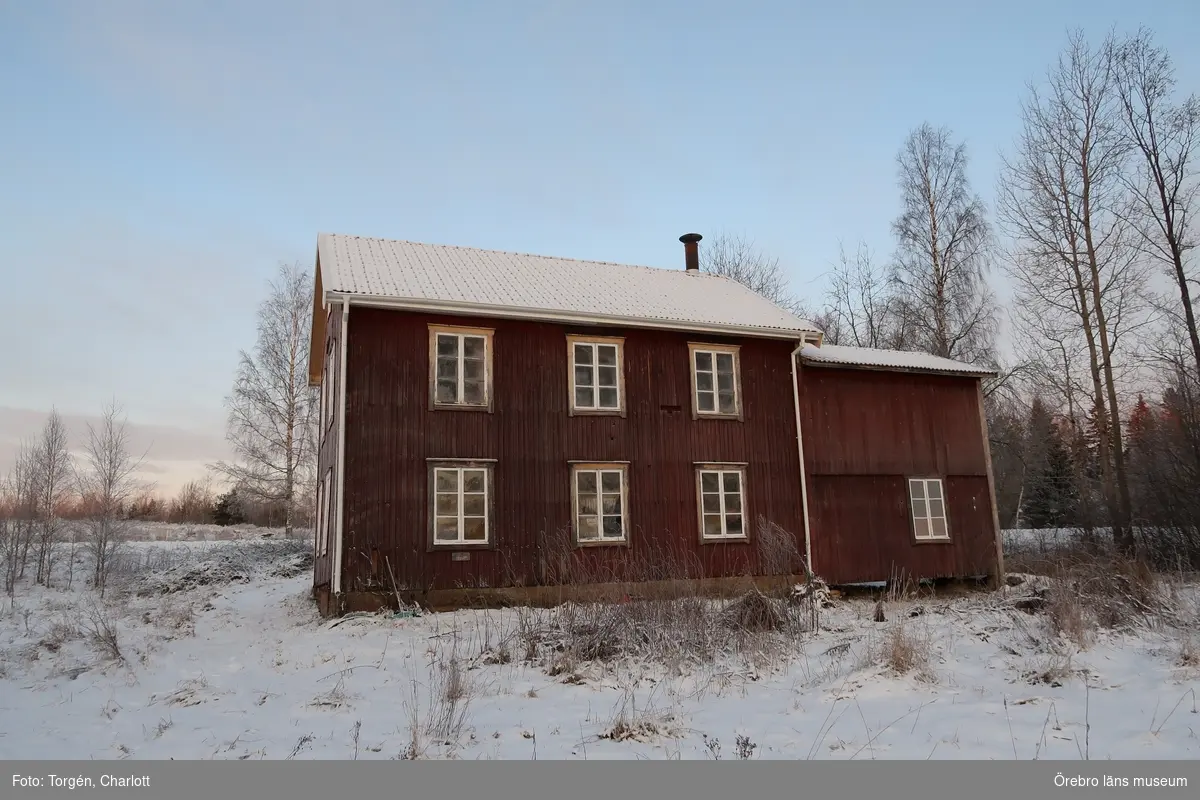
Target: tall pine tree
{"points": [[1051, 494]]}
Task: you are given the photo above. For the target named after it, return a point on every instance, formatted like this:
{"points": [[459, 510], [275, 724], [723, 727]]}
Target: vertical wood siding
{"points": [[865, 433], [390, 434]]}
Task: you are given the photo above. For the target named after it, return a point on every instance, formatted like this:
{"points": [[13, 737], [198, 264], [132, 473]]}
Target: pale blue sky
{"points": [[157, 160]]}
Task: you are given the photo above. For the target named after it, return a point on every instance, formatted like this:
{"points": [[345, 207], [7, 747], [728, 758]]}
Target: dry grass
{"points": [[680, 633], [101, 628], [335, 698], [1067, 617], [1053, 669], [1189, 653], [451, 690], [61, 632], [1093, 589], [904, 648], [644, 724], [667, 623]]}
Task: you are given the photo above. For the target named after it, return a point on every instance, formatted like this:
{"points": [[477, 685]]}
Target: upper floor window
{"points": [[928, 502], [715, 381], [597, 383], [461, 365], [327, 388]]}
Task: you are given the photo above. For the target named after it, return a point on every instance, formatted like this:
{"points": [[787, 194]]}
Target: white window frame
{"points": [[323, 514], [461, 334], [326, 390], [713, 350], [436, 467], [595, 343], [721, 470], [598, 468], [928, 518]]}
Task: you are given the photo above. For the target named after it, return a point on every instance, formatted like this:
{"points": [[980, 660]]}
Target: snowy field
{"points": [[213, 650]]}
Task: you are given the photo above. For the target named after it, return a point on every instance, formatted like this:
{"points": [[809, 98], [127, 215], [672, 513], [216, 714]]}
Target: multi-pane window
{"points": [[327, 392], [722, 508], [323, 515], [460, 367], [595, 375], [599, 500], [928, 508], [460, 505], [715, 380]]}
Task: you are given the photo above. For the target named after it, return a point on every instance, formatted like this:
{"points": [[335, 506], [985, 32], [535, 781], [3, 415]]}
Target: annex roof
{"points": [[497, 283], [891, 360]]}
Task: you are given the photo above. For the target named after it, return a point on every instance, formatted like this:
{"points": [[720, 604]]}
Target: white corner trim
{"points": [[800, 452], [341, 457]]}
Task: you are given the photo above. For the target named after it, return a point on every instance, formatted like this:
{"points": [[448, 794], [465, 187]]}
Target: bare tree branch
{"points": [[272, 410], [943, 252], [735, 257]]}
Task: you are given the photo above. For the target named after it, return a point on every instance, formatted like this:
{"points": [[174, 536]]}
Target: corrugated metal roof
{"points": [[449, 277], [898, 360]]}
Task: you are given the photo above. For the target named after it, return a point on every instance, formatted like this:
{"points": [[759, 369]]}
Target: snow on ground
{"points": [[143, 531], [216, 651]]}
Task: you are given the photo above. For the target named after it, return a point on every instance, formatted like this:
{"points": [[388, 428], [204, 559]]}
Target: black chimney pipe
{"points": [[690, 252]]}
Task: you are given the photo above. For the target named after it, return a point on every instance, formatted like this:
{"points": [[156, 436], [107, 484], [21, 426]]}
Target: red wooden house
{"points": [[494, 422]]}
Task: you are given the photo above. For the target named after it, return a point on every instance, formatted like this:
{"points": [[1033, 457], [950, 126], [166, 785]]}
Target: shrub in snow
{"points": [[236, 562]]}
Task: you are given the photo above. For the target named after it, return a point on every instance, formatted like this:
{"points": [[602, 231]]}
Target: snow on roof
{"points": [[895, 360], [468, 280]]}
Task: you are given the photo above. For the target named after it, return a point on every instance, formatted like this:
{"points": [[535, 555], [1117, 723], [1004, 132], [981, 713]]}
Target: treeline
{"points": [[63, 499], [1095, 410]]}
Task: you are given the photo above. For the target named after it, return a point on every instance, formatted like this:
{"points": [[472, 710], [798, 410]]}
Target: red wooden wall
{"points": [[390, 433], [865, 433]]}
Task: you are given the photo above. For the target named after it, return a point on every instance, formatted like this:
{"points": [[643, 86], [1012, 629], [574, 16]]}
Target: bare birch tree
{"points": [[1062, 199], [10, 534], [22, 484], [861, 310], [735, 257], [943, 250], [194, 503], [1164, 137], [52, 474], [109, 482], [272, 409]]}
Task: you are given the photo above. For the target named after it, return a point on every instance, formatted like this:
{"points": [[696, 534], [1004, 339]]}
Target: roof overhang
{"points": [[546, 315], [950, 373]]}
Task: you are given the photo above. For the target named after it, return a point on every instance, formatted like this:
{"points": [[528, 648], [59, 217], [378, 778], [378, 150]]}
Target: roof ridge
{"points": [[521, 254], [430, 272]]}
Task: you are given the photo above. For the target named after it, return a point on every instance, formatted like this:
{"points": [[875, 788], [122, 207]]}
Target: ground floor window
{"points": [[720, 491], [599, 498], [323, 513], [928, 503], [461, 503]]}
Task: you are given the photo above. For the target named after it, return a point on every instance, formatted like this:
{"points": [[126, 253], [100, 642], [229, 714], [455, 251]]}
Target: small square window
{"points": [[927, 499], [599, 499], [460, 367], [721, 497], [596, 375], [461, 504], [715, 381]]}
